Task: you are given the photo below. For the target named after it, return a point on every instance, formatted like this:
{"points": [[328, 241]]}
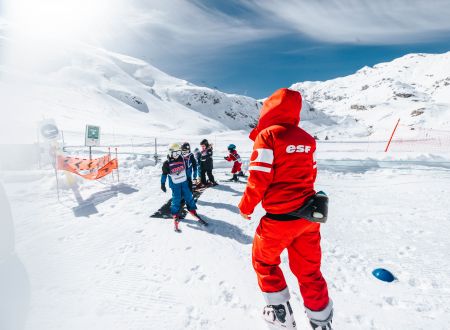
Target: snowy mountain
{"points": [[86, 85], [414, 88], [82, 84]]}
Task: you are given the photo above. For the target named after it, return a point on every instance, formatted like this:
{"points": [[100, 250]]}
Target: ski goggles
{"points": [[185, 152], [176, 154]]}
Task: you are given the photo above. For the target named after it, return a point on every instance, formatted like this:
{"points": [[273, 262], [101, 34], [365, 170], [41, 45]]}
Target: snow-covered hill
{"points": [[415, 88], [82, 85]]}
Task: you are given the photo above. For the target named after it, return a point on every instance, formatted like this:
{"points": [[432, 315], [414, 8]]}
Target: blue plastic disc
{"points": [[383, 275]]}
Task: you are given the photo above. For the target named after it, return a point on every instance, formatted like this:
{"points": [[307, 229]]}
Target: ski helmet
{"points": [[204, 143], [174, 150], [185, 148], [231, 147]]}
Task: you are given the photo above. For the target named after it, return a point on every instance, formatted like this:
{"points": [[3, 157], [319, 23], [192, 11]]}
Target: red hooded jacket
{"points": [[282, 167]]}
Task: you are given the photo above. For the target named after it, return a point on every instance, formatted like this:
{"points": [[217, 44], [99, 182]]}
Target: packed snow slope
{"points": [[414, 88], [96, 260]]}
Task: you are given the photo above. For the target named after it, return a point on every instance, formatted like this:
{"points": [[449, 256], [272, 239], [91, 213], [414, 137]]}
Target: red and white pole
{"points": [[118, 178], [392, 135]]}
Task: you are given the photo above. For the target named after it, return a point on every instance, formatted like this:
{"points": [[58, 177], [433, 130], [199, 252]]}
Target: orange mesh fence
{"points": [[90, 169], [82, 164], [427, 140]]}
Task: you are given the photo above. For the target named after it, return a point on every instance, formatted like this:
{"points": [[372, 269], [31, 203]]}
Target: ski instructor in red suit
{"points": [[282, 174]]}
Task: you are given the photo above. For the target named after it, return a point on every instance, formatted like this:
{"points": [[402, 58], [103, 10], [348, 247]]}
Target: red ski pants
{"points": [[236, 167], [302, 240]]}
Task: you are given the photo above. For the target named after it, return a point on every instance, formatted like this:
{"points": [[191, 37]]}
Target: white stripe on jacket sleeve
{"points": [[260, 168], [263, 156]]}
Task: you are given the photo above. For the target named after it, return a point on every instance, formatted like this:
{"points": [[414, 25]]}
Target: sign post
{"points": [[92, 138], [48, 129], [50, 132]]}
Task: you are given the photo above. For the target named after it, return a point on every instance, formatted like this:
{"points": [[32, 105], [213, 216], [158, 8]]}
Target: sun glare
{"points": [[77, 20]]}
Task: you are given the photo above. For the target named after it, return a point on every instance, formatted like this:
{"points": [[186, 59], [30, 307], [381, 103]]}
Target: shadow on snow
{"points": [[227, 188], [87, 207], [221, 228]]}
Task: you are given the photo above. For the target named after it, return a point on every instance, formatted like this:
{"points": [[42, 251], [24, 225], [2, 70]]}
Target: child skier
{"points": [[206, 163], [190, 162], [237, 165], [175, 168]]}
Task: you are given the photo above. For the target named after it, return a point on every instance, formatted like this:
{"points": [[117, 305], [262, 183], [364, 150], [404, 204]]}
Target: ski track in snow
{"points": [[120, 269]]}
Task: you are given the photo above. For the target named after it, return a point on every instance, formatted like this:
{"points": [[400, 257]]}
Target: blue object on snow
{"points": [[383, 275]]}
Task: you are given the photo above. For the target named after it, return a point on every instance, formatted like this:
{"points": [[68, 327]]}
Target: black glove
{"points": [[225, 158], [163, 187]]}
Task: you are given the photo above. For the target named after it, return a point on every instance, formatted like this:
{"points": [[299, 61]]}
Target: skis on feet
{"points": [[199, 219]]}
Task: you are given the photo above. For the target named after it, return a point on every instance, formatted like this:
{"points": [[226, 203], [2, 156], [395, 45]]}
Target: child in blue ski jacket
{"points": [[190, 162], [174, 168]]}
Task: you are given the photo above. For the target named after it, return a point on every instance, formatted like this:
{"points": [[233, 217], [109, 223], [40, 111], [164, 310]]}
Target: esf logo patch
{"points": [[299, 148]]}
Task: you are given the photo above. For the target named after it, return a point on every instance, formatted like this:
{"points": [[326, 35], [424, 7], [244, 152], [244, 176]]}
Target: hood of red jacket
{"points": [[282, 107]]}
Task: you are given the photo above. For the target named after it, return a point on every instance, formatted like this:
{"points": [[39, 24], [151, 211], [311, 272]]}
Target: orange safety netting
{"points": [[90, 169], [420, 139]]}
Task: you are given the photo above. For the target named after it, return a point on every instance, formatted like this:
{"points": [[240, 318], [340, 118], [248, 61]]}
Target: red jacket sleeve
{"points": [[261, 172]]}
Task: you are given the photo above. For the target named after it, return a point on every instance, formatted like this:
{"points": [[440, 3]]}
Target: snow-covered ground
{"points": [[103, 263], [96, 260]]}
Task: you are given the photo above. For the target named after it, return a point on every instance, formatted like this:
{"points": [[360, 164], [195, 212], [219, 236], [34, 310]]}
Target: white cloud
{"points": [[359, 21], [171, 34], [180, 36], [187, 27]]}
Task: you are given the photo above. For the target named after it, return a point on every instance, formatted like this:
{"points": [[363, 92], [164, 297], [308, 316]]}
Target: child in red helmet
{"points": [[237, 165]]}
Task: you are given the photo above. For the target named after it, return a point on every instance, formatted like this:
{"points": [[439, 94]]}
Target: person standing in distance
{"points": [[282, 175]]}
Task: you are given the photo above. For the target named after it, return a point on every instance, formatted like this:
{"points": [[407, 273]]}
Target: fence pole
{"points": [[156, 151], [109, 153], [392, 135], [56, 173], [118, 179], [62, 137]]}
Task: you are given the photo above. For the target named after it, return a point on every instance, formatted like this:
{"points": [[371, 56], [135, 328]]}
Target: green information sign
{"points": [[92, 136]]}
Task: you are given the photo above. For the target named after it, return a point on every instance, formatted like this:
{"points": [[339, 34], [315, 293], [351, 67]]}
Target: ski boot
{"points": [[321, 320], [234, 178], [241, 174], [279, 316], [200, 220], [176, 221]]}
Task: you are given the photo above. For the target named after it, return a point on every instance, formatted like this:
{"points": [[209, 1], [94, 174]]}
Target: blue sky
{"points": [[254, 47], [259, 68]]}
